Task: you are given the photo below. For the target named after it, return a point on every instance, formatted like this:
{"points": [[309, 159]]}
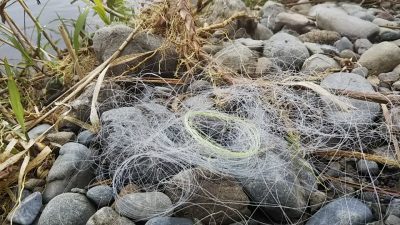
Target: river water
{"points": [[49, 12]]}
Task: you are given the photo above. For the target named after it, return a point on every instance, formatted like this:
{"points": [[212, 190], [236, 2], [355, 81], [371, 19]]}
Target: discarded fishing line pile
{"points": [[204, 146]]}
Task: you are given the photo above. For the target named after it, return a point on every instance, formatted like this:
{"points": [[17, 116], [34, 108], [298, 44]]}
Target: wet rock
{"points": [[363, 112], [169, 221], [107, 216], [61, 138], [362, 71], [381, 58], [392, 220], [293, 21], [101, 195], [319, 63], [214, 200], [344, 43], [67, 209], [72, 169], [236, 57], [268, 15], [142, 206], [389, 77], [346, 25], [28, 210], [286, 51], [366, 167], [320, 36], [85, 137], [338, 212], [38, 130], [262, 32], [107, 40], [362, 45]]}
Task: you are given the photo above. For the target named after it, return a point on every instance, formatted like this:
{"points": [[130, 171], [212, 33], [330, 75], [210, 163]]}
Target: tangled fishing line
{"points": [[255, 134]]}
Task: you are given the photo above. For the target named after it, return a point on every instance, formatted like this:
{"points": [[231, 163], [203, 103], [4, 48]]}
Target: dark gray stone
{"points": [[286, 51], [108, 39], [344, 43], [72, 169], [381, 58], [387, 34], [28, 210], [38, 130], [366, 167], [101, 195], [85, 137], [342, 211], [236, 57], [107, 216], [169, 221], [142, 206], [67, 209]]}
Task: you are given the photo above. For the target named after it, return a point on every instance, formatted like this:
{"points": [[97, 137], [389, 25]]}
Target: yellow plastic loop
{"points": [[215, 148]]}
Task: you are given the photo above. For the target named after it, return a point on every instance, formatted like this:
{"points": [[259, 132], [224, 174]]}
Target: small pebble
{"points": [[367, 167], [101, 195], [85, 137], [29, 209]]}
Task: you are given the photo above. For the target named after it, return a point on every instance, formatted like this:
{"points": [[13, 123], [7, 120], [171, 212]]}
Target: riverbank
{"points": [[219, 113]]}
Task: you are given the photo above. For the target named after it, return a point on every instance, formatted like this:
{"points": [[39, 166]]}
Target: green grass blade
{"points": [[99, 9], [79, 27], [15, 97]]}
